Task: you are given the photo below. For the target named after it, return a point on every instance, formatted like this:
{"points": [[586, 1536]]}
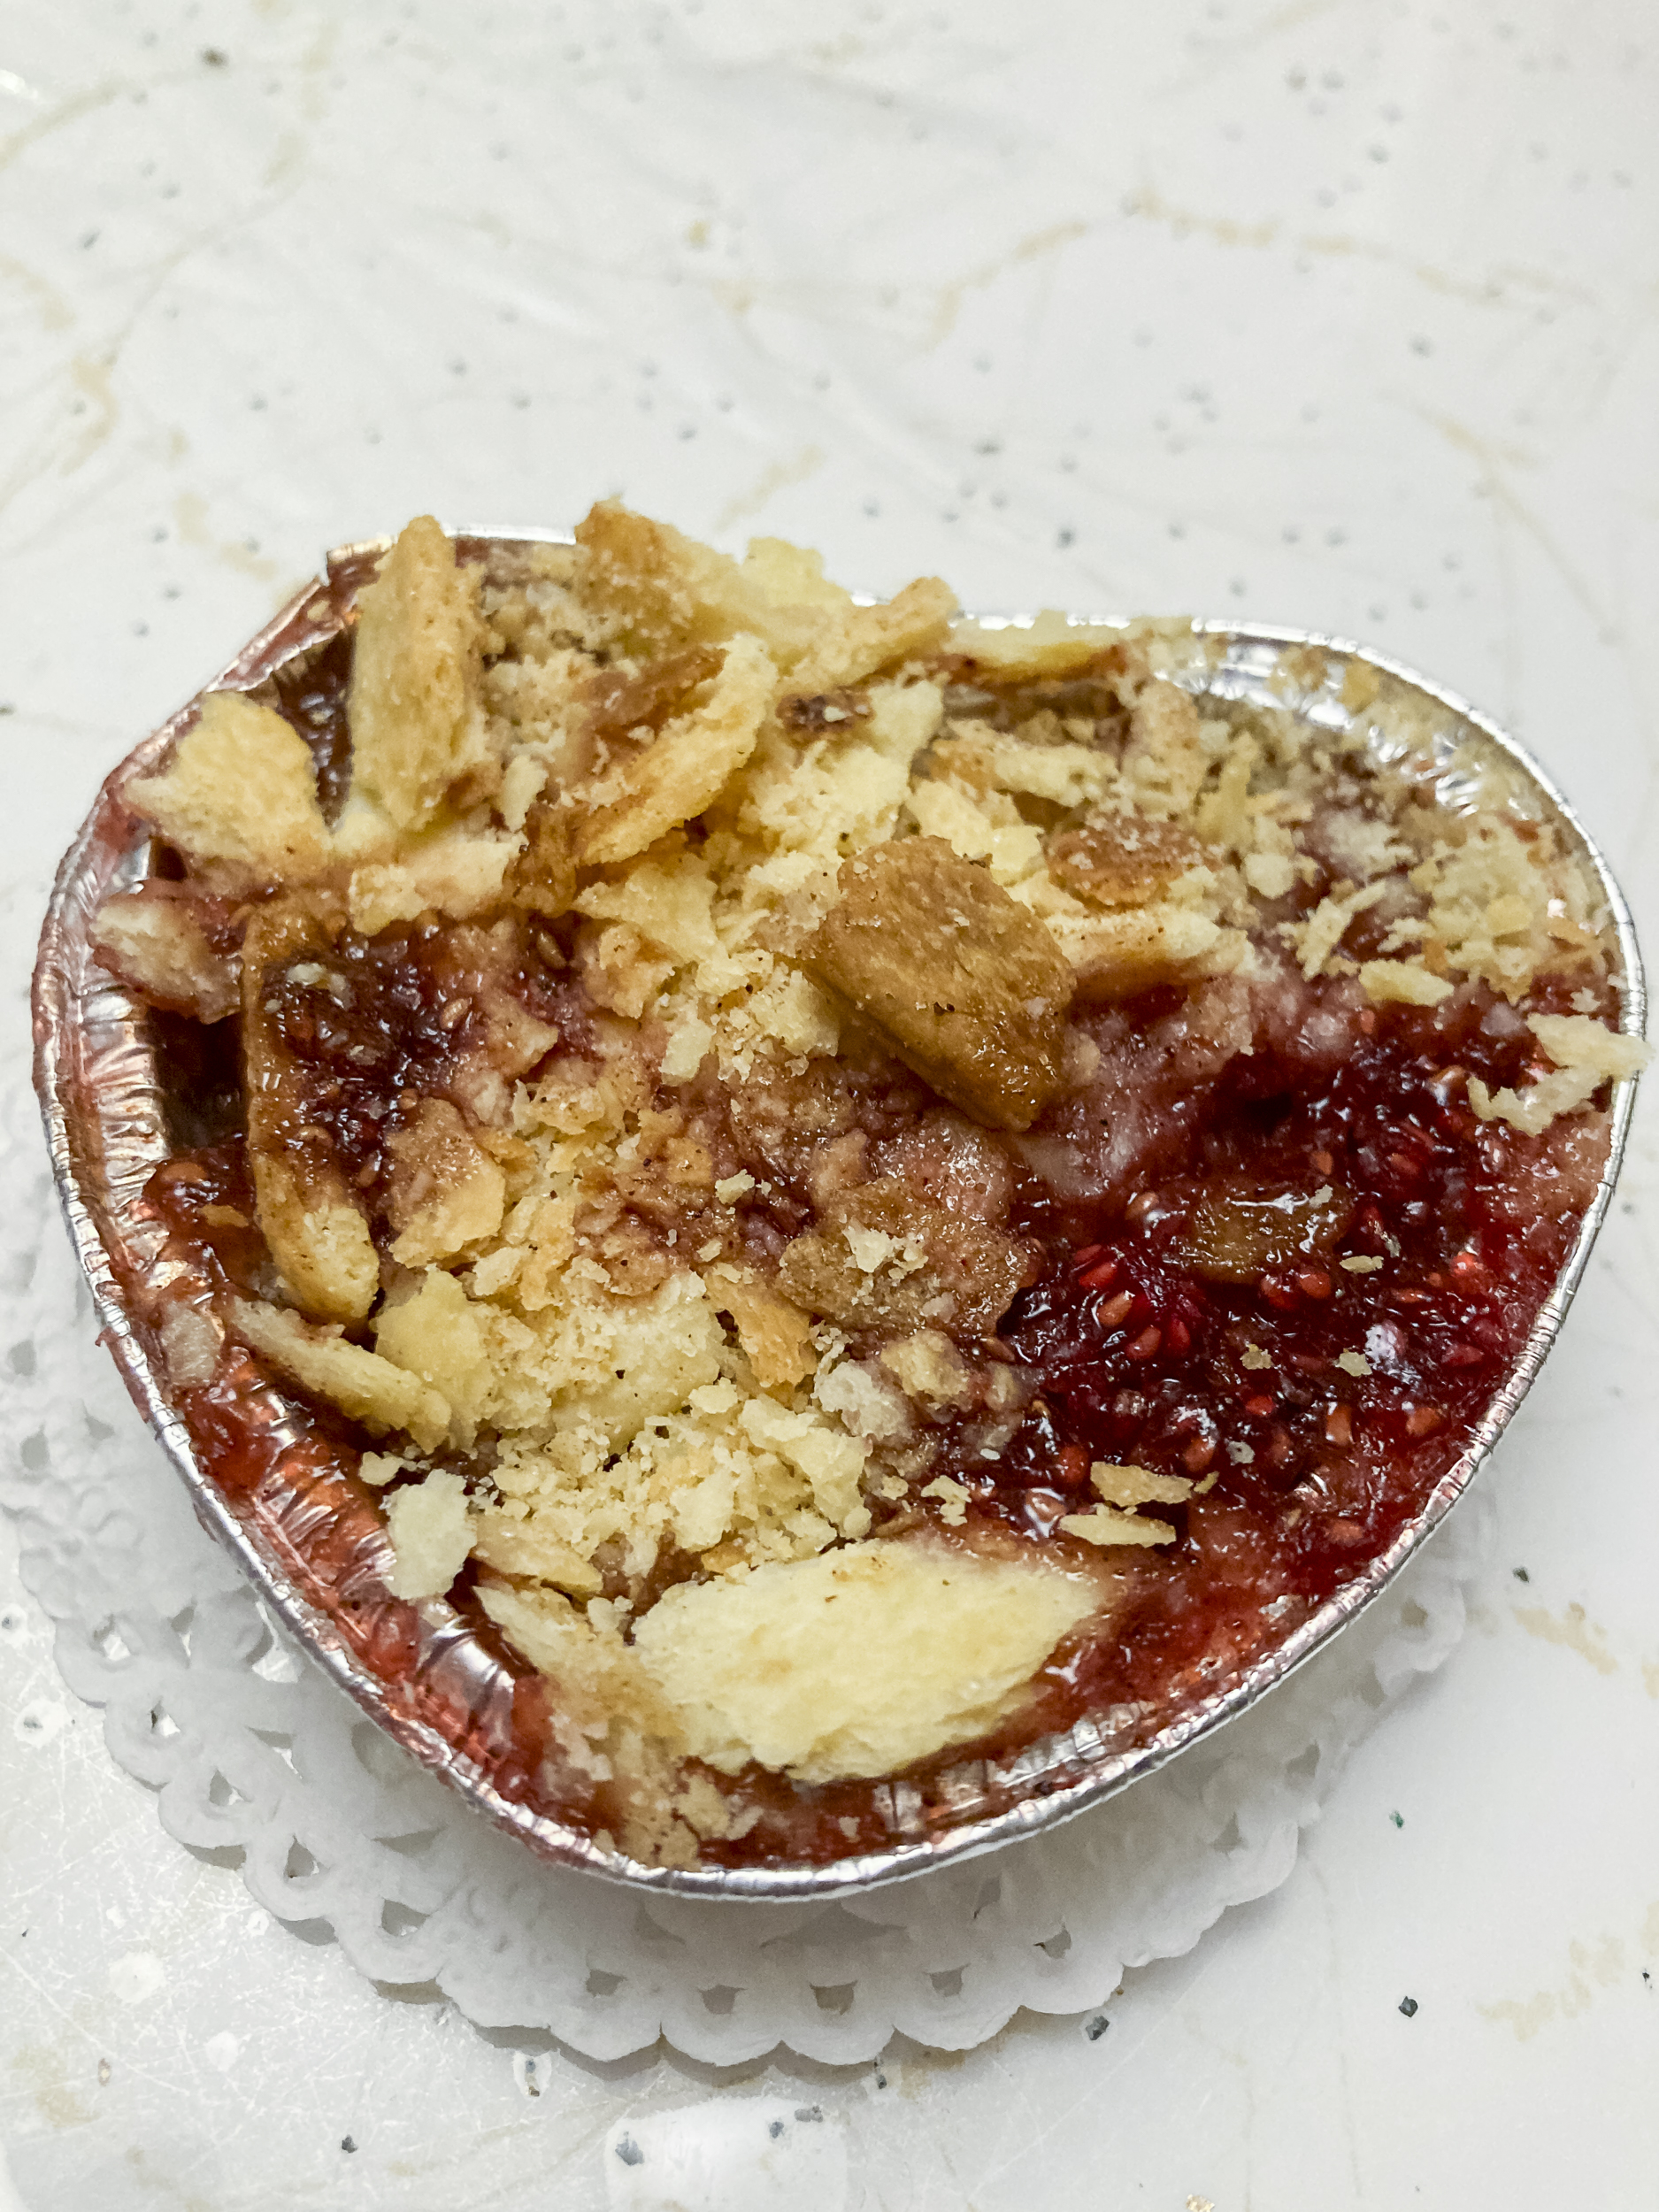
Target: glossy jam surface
{"points": [[1315, 1407], [410, 1013], [311, 695]]}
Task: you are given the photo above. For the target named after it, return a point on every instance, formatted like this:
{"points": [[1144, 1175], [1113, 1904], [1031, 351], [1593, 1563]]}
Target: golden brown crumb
{"points": [[415, 729], [856, 1663], [965, 986], [431, 1535], [1586, 1055], [1405, 982], [1123, 860], [882, 1259], [683, 769], [383, 1396], [159, 947], [445, 1193], [1106, 1525], [310, 1217], [776, 1334], [239, 796], [543, 876]]}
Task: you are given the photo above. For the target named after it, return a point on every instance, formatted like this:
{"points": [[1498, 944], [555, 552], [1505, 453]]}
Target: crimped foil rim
{"points": [[82, 1131]]}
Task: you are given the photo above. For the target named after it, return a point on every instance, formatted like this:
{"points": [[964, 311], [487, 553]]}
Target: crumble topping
{"points": [[671, 1055], [857, 1661]]}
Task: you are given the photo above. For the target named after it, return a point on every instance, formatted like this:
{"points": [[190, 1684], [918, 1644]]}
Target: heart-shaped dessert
{"points": [[797, 1236]]}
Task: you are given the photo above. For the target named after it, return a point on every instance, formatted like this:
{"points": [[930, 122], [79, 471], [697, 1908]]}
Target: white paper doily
{"points": [[249, 1746]]}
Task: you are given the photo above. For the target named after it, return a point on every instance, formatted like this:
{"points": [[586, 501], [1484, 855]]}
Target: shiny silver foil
{"points": [[313, 1544]]}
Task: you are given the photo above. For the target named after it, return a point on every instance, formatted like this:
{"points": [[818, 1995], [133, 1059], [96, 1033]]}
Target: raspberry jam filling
{"points": [[1313, 1400], [388, 1019]]}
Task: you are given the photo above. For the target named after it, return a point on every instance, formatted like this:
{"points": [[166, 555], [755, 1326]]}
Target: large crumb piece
{"points": [[515, 1542], [380, 1467], [431, 1535], [1401, 983], [189, 1344], [857, 1663], [157, 945], [549, 1629], [1049, 645], [308, 1214], [1059, 773], [1164, 762], [1578, 1040], [1105, 1526], [318, 1239], [1116, 955], [445, 1192], [855, 641], [238, 798], [1586, 1054], [438, 1335], [362, 1385], [928, 1366], [685, 767], [543, 876], [606, 1695], [968, 988], [661, 591], [863, 1399], [1120, 860], [1122, 1488], [618, 704], [881, 1258], [1129, 1485], [1114, 1522], [775, 1334], [451, 873], [609, 1722], [986, 826], [414, 670]]}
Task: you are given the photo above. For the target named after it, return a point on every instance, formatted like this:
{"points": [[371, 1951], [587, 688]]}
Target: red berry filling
{"points": [[1316, 1405]]}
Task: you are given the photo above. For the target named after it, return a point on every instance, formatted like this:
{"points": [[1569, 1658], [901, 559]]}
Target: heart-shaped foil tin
{"points": [[120, 1093]]}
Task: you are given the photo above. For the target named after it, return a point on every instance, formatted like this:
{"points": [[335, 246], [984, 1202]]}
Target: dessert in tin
{"points": [[859, 1186]]}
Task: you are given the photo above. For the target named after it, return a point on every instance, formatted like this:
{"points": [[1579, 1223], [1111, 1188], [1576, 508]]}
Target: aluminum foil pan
{"points": [[117, 1095]]}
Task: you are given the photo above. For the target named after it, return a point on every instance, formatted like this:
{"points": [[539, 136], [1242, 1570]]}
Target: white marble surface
{"points": [[1341, 315]]}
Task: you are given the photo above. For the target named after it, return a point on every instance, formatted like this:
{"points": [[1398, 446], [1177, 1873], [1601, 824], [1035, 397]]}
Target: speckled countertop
{"points": [[1342, 314]]}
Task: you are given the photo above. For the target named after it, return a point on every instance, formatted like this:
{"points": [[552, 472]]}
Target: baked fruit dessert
{"points": [[858, 1189]]}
